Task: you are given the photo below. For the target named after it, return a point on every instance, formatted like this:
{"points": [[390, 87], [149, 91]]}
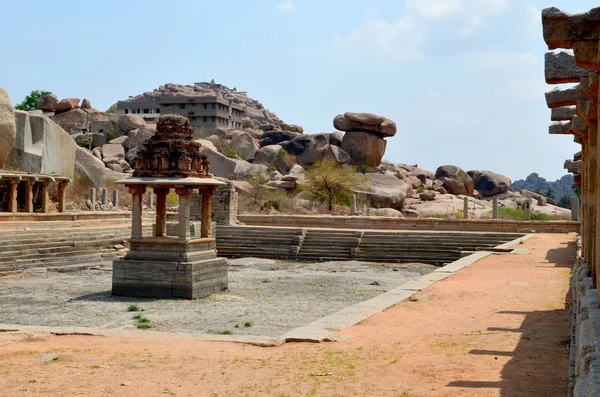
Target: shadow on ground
{"points": [[543, 339]]}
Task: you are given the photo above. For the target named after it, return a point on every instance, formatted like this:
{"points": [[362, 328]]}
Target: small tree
{"points": [[550, 193], [256, 182], [565, 201], [32, 100], [331, 183]]}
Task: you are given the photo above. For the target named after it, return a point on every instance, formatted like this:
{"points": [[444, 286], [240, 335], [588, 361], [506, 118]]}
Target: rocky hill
{"points": [[254, 109], [535, 183]]}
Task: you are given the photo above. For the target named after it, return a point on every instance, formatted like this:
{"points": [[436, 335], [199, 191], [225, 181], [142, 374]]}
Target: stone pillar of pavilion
{"points": [[171, 267], [581, 33]]}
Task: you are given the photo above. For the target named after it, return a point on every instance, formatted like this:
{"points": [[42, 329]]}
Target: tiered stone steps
{"points": [[432, 248], [373, 246], [57, 246], [261, 242], [322, 245]]}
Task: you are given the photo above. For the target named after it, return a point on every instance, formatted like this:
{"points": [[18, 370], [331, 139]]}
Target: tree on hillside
{"points": [[550, 193], [565, 201], [32, 100], [331, 183]]}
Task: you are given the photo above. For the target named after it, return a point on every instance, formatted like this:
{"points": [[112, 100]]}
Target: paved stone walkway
{"points": [[496, 328]]}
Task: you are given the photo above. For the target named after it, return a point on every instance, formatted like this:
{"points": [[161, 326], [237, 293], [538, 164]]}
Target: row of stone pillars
{"points": [[104, 197], [574, 111], [184, 194], [30, 183]]}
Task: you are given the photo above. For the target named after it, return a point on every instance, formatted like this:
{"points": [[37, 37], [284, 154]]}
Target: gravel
{"points": [[265, 298]]}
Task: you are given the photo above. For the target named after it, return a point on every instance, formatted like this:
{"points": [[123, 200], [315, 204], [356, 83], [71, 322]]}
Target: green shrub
{"points": [[539, 216], [172, 199], [83, 142], [420, 189], [232, 153]]}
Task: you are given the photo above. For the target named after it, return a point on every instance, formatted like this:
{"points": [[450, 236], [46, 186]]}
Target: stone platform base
{"points": [[170, 268]]}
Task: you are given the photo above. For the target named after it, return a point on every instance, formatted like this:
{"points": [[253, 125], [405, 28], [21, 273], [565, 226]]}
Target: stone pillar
{"points": [[466, 208], [44, 195], [353, 204], [12, 196], [527, 210], [575, 208], [494, 208], [136, 211], [115, 199], [93, 197], [28, 195], [206, 222], [161, 212], [62, 196], [150, 200], [104, 196], [184, 212]]}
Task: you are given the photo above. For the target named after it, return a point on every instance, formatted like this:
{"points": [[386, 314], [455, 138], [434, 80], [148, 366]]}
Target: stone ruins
{"points": [[575, 112], [171, 267]]}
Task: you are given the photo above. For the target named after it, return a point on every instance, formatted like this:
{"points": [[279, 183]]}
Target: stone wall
{"points": [[430, 224], [584, 359], [224, 206]]}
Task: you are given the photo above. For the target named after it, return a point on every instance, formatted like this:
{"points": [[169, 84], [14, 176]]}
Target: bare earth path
{"points": [[496, 328]]}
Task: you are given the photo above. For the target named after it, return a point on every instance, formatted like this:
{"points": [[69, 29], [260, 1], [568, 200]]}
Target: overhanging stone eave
{"points": [[172, 182]]}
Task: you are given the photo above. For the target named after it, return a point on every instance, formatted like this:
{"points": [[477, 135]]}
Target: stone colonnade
{"points": [[185, 194], [33, 185], [575, 110]]}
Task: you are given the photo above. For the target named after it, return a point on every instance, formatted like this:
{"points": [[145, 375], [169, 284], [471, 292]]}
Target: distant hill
{"points": [[535, 183]]}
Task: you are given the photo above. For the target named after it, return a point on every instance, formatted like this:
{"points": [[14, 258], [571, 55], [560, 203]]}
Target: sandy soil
{"points": [[497, 328]]}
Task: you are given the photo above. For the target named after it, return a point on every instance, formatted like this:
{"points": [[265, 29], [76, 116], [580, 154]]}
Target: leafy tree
{"points": [[550, 193], [565, 201], [330, 182], [256, 182], [32, 100]]}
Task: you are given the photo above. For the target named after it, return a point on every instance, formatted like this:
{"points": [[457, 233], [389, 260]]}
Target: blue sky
{"points": [[462, 79]]}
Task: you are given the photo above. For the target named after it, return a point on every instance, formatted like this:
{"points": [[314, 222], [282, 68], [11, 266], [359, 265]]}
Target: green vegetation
{"points": [[514, 214], [83, 142], [141, 322], [420, 189], [232, 153], [225, 332], [331, 183], [550, 193], [172, 199], [112, 109], [565, 201], [256, 182], [32, 100], [110, 132], [277, 200], [248, 324], [134, 308]]}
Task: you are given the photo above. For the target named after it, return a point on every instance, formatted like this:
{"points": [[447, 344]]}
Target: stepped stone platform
{"points": [[305, 244], [59, 246]]}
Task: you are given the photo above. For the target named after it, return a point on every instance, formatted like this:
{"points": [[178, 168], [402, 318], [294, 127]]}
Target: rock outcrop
{"points": [[489, 183], [7, 126], [363, 139], [455, 180], [384, 191]]}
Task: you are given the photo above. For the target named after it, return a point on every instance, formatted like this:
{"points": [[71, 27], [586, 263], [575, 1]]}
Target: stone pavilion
{"points": [[171, 267]]}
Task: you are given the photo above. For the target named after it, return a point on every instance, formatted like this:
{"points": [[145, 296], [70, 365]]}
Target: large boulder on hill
{"points": [[384, 191], [7, 126], [455, 180], [310, 149], [364, 148], [245, 145], [41, 146], [89, 166], [247, 123], [276, 137], [85, 104], [66, 104], [230, 168], [489, 183], [366, 122], [73, 121], [113, 150], [128, 122], [47, 103], [335, 138], [541, 200], [139, 136], [267, 154]]}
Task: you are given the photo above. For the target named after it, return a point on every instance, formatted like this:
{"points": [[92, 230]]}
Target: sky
{"points": [[462, 79]]}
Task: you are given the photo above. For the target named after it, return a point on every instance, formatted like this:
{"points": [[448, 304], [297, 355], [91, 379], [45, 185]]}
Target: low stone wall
{"points": [[584, 359], [79, 216], [383, 223]]}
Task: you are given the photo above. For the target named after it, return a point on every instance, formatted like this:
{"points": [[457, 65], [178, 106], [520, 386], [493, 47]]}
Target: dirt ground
{"points": [[496, 328]]}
